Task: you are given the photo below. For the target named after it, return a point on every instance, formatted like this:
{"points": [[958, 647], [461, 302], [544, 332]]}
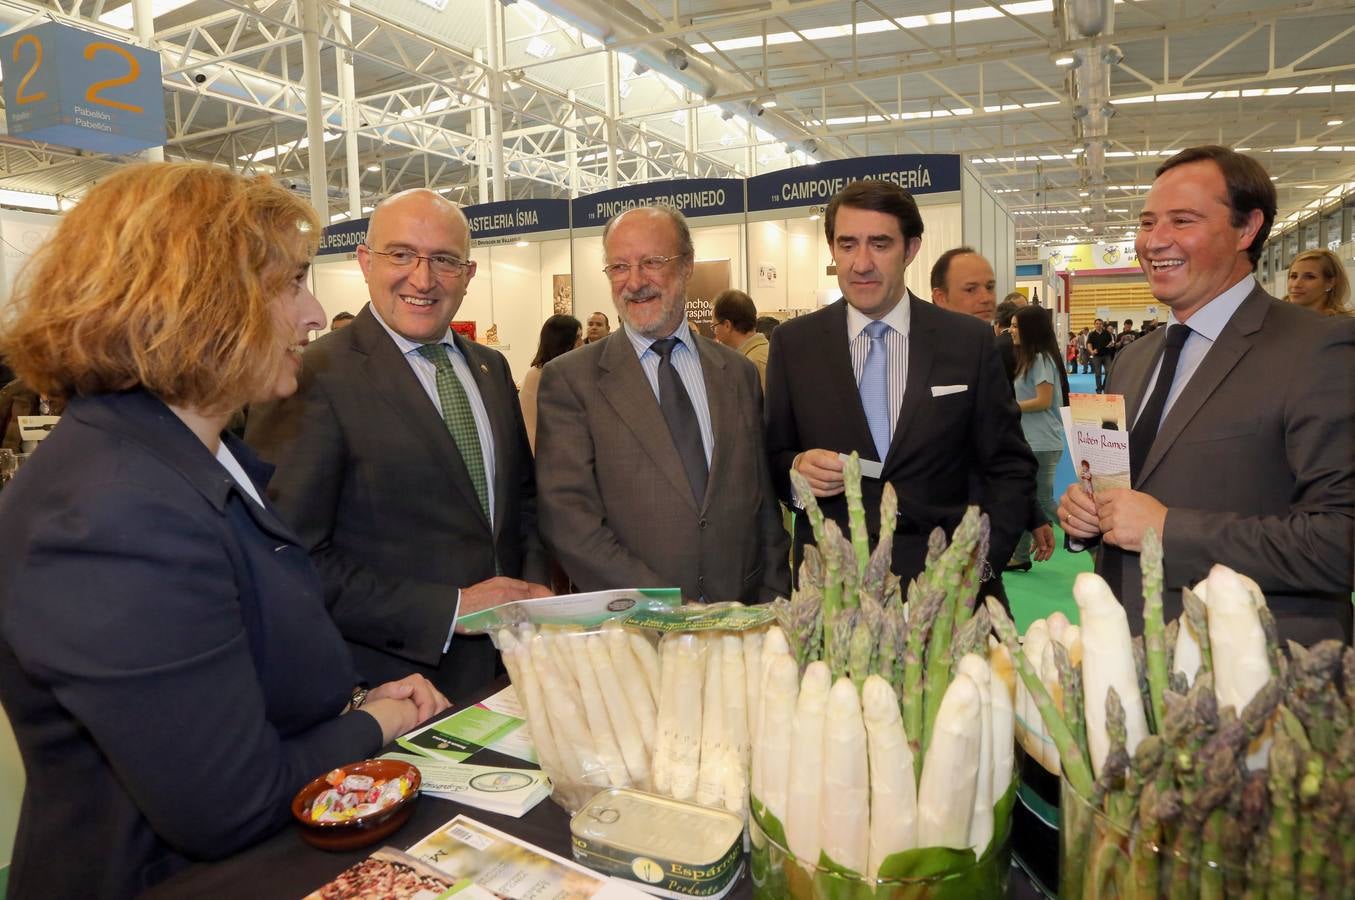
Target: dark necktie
{"points": [[1145, 427], [460, 420], [680, 415]]}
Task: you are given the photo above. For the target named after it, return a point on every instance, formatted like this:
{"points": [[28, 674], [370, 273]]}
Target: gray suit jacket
{"points": [[616, 508], [374, 485], [1255, 463]]}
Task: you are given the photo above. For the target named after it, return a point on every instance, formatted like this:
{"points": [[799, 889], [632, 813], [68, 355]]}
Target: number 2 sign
{"points": [[67, 86]]}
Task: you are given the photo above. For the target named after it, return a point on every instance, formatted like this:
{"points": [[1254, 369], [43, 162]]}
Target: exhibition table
{"points": [[286, 868]]}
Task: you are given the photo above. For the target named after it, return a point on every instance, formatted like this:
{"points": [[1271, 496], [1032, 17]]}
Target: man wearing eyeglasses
{"points": [[403, 462], [649, 444]]}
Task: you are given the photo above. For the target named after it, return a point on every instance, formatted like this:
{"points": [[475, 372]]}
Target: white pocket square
{"points": [[941, 390]]}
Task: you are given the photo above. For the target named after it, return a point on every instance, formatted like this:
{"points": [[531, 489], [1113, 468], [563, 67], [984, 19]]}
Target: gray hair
{"points": [[684, 233]]}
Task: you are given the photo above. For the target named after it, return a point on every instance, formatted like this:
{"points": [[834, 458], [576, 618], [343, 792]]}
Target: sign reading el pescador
{"points": [[815, 185], [694, 198], [70, 87]]}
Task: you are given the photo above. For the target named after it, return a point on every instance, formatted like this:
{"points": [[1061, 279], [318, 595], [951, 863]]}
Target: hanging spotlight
{"points": [[676, 58]]}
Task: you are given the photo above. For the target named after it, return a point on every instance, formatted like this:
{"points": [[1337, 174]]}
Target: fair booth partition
{"points": [[764, 235]]}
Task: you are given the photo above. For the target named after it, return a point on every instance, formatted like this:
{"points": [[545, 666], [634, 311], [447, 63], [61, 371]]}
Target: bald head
{"points": [[420, 203]]}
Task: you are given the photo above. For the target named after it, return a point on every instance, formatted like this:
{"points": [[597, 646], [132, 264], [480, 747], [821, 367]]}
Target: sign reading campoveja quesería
{"points": [[815, 185], [71, 87]]}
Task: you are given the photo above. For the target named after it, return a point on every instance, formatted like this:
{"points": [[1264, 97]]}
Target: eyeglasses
{"points": [[441, 265], [649, 265]]}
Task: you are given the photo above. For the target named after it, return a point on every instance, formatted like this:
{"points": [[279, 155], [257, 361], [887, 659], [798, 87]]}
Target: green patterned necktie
{"points": [[460, 421]]}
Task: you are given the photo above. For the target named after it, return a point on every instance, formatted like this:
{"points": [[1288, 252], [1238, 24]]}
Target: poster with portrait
{"points": [[710, 278], [562, 293]]}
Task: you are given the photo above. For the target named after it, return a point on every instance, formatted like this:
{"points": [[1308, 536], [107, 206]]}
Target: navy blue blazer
{"points": [[166, 658]]}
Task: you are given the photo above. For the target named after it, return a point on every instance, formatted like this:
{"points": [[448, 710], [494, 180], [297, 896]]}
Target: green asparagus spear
{"points": [[1283, 829], [805, 494], [864, 637], [1070, 683], [889, 513], [832, 569], [1075, 766], [1198, 617], [949, 576], [923, 606], [1150, 560], [856, 514]]}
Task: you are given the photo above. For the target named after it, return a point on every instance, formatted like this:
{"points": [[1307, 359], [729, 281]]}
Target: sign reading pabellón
{"points": [[815, 185], [70, 87], [694, 198]]}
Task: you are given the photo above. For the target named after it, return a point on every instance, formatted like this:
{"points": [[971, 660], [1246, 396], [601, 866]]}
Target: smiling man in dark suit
{"points": [[649, 443], [1237, 455], [403, 462], [918, 389]]}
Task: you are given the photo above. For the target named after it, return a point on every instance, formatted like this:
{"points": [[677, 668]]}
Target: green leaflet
{"points": [[770, 824], [925, 862], [833, 882]]}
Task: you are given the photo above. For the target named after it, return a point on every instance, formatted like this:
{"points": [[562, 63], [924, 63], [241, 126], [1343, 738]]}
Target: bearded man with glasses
{"points": [[403, 462], [649, 446]]}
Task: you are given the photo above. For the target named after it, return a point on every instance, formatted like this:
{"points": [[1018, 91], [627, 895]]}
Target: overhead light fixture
{"points": [[790, 149], [540, 48], [638, 69], [676, 58], [755, 109], [521, 244], [1065, 61], [1332, 123], [726, 114], [1112, 55], [810, 146], [814, 218], [374, 167], [769, 104]]}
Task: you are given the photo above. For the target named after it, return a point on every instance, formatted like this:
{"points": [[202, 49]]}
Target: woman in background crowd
{"points": [[166, 659], [1039, 396], [559, 335], [1317, 280]]}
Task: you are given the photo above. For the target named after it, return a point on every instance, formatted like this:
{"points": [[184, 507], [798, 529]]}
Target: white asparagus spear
{"points": [[805, 783], [710, 781], [566, 717], [945, 795], [773, 644], [845, 810], [1186, 658], [522, 673], [1107, 661], [1057, 623], [1029, 724], [735, 722], [685, 741], [1071, 639], [1049, 674], [595, 710], [981, 825], [619, 714], [1238, 646], [1002, 690], [752, 670], [633, 683], [664, 727], [893, 792], [648, 658], [772, 766]]}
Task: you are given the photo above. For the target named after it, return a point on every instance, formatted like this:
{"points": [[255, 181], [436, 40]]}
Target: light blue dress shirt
{"points": [[896, 342], [1205, 327]]}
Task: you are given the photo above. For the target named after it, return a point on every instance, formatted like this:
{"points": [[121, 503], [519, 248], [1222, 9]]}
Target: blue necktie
{"points": [[875, 387]]}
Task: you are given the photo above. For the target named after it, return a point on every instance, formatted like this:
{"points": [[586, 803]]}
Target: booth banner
{"points": [[79, 89], [342, 238], [1080, 257], [710, 278], [694, 198], [815, 185], [506, 219]]}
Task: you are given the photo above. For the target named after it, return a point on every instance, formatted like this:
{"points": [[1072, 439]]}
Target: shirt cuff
{"points": [[451, 630]]}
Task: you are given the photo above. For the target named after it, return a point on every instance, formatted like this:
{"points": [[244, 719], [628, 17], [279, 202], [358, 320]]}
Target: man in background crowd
{"points": [[1238, 454], [598, 327], [402, 460], [649, 446], [341, 320], [735, 320], [1097, 342]]}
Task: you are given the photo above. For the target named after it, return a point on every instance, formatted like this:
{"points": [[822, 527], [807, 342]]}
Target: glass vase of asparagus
{"points": [[882, 750], [1198, 760]]}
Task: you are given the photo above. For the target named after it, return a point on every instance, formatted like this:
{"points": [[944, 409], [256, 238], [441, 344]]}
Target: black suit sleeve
{"points": [[301, 436], [782, 433], [1003, 462]]}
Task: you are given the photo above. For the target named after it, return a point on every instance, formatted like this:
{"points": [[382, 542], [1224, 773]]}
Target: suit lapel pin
{"points": [[484, 369]]}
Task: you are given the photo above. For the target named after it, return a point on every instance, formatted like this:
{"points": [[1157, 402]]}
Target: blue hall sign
{"points": [[508, 218], [70, 87], [342, 238], [815, 185], [694, 197]]}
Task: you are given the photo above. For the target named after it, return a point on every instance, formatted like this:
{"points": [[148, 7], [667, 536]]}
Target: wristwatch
{"points": [[359, 697]]}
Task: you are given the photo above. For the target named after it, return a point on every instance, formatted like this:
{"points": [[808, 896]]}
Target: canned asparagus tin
{"points": [[669, 848]]}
